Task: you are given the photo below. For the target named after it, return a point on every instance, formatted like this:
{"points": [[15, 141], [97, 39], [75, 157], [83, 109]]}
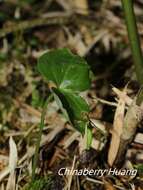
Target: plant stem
{"points": [[39, 136], [133, 38]]}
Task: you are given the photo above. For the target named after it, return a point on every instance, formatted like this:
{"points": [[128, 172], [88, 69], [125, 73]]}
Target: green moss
{"points": [[40, 184]]}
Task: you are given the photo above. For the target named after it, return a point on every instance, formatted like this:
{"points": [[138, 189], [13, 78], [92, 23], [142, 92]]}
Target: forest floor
{"points": [[96, 31]]}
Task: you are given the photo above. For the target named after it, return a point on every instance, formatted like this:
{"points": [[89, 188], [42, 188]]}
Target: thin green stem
{"points": [[133, 38], [39, 136]]}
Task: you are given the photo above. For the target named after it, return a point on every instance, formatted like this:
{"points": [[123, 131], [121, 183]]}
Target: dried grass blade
{"points": [[117, 129], [13, 158]]}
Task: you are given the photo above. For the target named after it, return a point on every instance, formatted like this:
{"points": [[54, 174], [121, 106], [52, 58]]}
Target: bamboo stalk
{"points": [[133, 38]]}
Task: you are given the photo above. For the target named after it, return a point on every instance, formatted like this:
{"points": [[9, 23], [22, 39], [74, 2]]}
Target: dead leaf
{"points": [[81, 6], [13, 158], [132, 118], [3, 162], [70, 177], [117, 129], [125, 97], [108, 186], [74, 136], [4, 173]]}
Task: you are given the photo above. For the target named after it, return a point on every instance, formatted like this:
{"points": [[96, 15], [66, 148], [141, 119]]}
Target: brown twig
{"points": [[56, 18]]}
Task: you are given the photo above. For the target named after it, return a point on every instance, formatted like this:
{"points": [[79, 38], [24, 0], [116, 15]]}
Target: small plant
{"points": [[68, 75], [40, 184]]}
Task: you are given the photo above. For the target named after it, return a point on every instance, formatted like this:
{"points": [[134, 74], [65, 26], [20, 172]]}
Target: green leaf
{"points": [[80, 125], [77, 104], [70, 74], [59, 103], [76, 107], [66, 70]]}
